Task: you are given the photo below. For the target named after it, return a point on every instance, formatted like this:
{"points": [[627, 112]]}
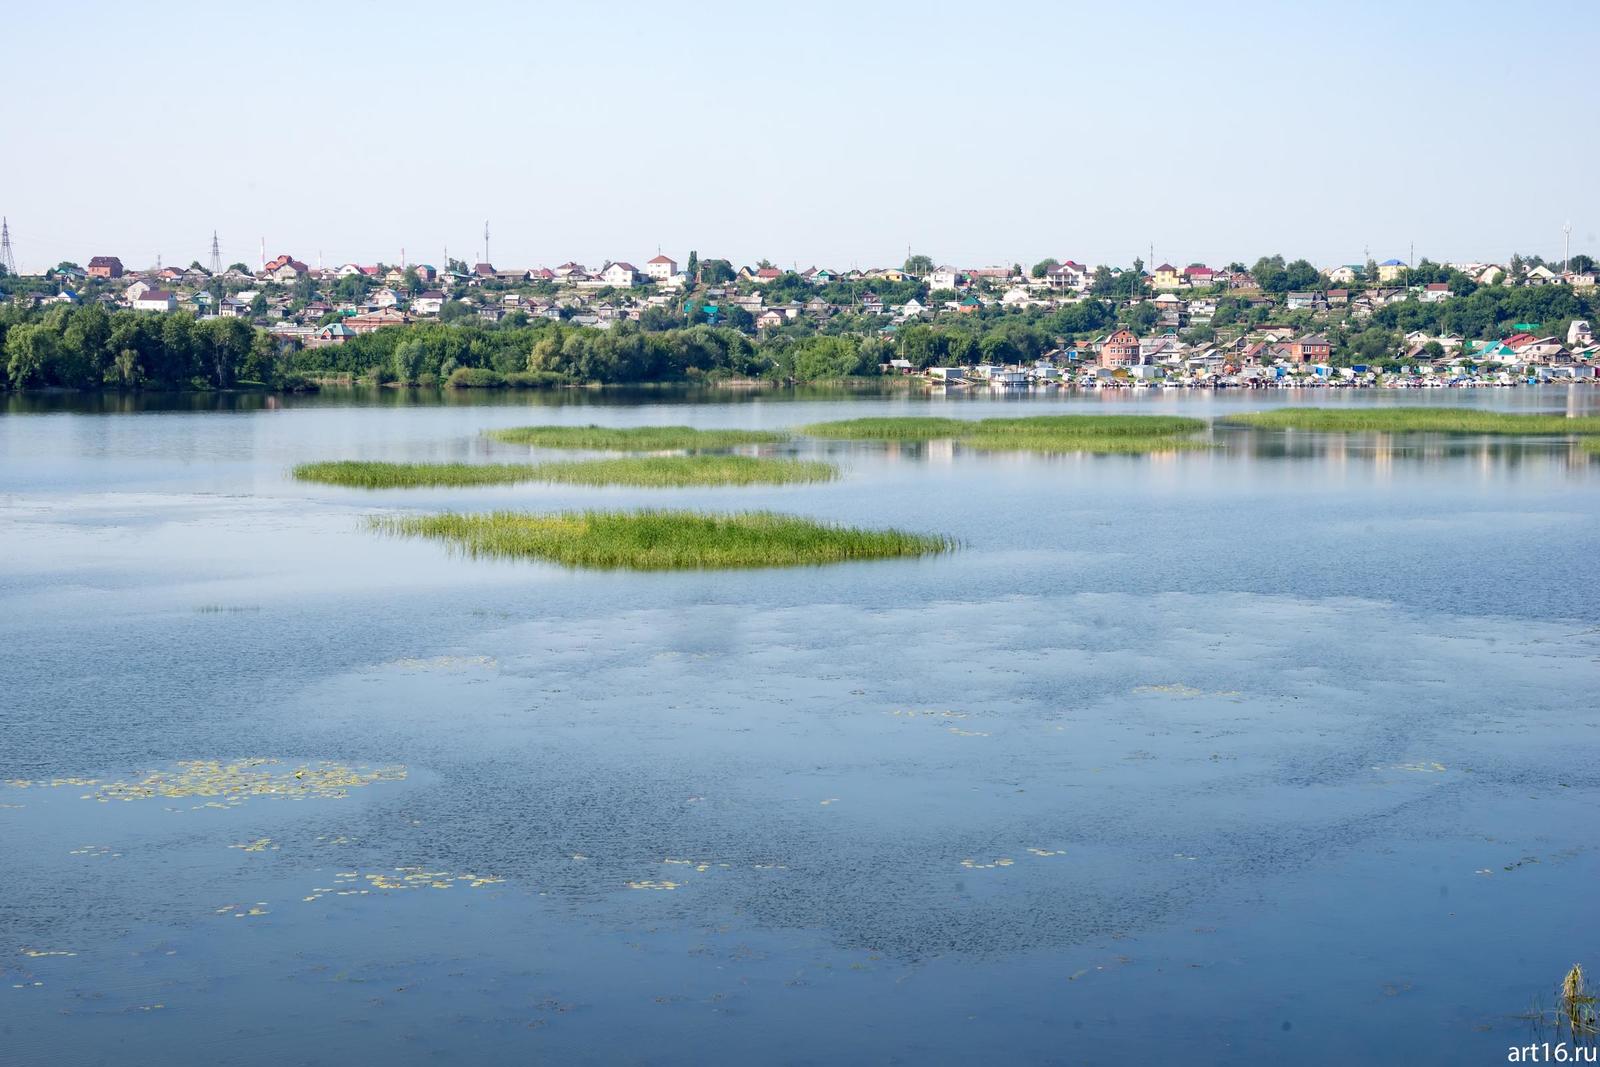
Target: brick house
{"points": [[105, 267], [1121, 349]]}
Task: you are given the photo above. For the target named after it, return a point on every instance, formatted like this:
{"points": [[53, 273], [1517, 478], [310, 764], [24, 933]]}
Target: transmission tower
{"points": [[216, 255], [7, 260], [486, 258]]}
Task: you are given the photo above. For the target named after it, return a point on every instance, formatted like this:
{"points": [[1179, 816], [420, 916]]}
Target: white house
{"points": [[943, 278], [660, 269], [155, 300], [625, 275], [428, 302]]}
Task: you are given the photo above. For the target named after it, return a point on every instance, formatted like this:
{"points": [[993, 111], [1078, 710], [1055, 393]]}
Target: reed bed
{"points": [[1037, 433], [1416, 420], [1065, 442], [362, 474], [671, 472], [650, 472], [635, 438], [662, 540]]}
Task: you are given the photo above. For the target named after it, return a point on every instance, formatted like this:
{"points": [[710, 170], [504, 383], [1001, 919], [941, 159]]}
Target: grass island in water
{"points": [[634, 438], [650, 472], [1415, 420], [1039, 433], [662, 540]]}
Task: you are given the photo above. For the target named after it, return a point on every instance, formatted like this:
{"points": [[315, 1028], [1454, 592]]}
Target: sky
{"points": [[826, 133]]}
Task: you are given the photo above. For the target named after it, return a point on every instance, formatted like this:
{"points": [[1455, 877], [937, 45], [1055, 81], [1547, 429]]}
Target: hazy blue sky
{"points": [[820, 132]]}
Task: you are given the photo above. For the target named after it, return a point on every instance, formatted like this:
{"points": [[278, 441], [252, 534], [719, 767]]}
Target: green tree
{"points": [[717, 272], [918, 264], [1044, 266], [30, 349], [692, 269]]}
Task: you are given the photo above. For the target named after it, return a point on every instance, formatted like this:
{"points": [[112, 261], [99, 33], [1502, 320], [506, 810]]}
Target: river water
{"points": [[1280, 752]]}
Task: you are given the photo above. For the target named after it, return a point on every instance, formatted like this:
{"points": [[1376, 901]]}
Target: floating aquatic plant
{"points": [[647, 472], [1038, 433], [634, 438], [662, 540], [1416, 420]]}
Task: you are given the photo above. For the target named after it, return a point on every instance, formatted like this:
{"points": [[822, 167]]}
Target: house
{"points": [[1167, 276], [377, 320], [1121, 349], [335, 333], [135, 291], [1346, 274], [661, 268], [769, 319], [383, 298], [1068, 275], [156, 300], [1434, 292], [622, 275], [1313, 348], [1389, 271], [943, 278], [105, 267], [1542, 275], [428, 302], [1304, 301], [1338, 297], [1200, 275], [483, 270], [285, 270], [1490, 275], [1169, 309], [765, 275]]}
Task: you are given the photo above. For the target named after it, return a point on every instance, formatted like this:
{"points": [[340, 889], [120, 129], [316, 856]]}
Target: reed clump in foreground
{"points": [[1038, 433], [1415, 420], [634, 438], [650, 472], [662, 540]]}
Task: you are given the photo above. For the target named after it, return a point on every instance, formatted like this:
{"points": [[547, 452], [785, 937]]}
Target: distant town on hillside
{"points": [[1056, 320]]}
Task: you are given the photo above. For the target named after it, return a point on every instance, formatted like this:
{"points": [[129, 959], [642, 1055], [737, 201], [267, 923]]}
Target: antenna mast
{"points": [[1566, 246], [486, 258], [7, 259], [216, 255]]}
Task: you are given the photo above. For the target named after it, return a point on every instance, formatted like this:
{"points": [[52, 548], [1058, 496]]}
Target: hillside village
{"points": [[1273, 323]]}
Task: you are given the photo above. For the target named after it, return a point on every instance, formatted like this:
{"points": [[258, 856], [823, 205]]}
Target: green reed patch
{"points": [[1064, 442], [663, 472], [362, 474], [634, 438], [662, 540], [1037, 433], [1415, 420], [668, 472]]}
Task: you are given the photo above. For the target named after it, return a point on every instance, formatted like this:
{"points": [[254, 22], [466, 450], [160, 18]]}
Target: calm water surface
{"points": [[1280, 752]]}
